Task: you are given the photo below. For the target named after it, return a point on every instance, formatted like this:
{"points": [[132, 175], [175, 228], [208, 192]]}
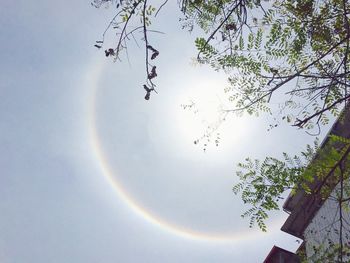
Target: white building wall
{"points": [[322, 236]]}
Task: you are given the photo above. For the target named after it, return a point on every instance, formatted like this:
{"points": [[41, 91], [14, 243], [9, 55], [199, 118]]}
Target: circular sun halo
{"points": [[109, 174]]}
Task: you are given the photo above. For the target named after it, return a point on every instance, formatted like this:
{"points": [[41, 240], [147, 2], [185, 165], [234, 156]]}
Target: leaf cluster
{"points": [[300, 48], [263, 184]]}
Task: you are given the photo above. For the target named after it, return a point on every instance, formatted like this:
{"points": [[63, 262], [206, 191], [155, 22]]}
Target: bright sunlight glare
{"points": [[196, 112]]}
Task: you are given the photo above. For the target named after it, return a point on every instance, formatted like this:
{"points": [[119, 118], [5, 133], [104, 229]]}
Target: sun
{"points": [[201, 110], [195, 120]]}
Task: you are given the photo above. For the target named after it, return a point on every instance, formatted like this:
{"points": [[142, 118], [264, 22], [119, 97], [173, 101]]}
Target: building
{"points": [[280, 255], [316, 219]]}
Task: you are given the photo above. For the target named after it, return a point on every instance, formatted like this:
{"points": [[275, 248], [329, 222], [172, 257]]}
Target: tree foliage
{"points": [[319, 171], [291, 53], [262, 184], [299, 49]]}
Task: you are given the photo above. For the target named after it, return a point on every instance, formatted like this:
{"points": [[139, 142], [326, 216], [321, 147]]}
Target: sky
{"points": [[91, 172]]}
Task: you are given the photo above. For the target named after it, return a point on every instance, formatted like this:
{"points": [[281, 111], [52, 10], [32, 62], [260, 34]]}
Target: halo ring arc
{"points": [[108, 173]]}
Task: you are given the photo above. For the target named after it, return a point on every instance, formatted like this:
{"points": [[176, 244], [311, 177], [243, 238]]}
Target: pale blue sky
{"points": [[55, 201]]}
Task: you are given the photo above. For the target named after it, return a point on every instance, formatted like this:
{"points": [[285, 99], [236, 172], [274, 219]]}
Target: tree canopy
{"points": [[299, 49], [293, 53]]}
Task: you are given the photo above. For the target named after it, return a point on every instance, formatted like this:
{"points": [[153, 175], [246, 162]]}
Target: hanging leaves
{"points": [[148, 92], [155, 52]]}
